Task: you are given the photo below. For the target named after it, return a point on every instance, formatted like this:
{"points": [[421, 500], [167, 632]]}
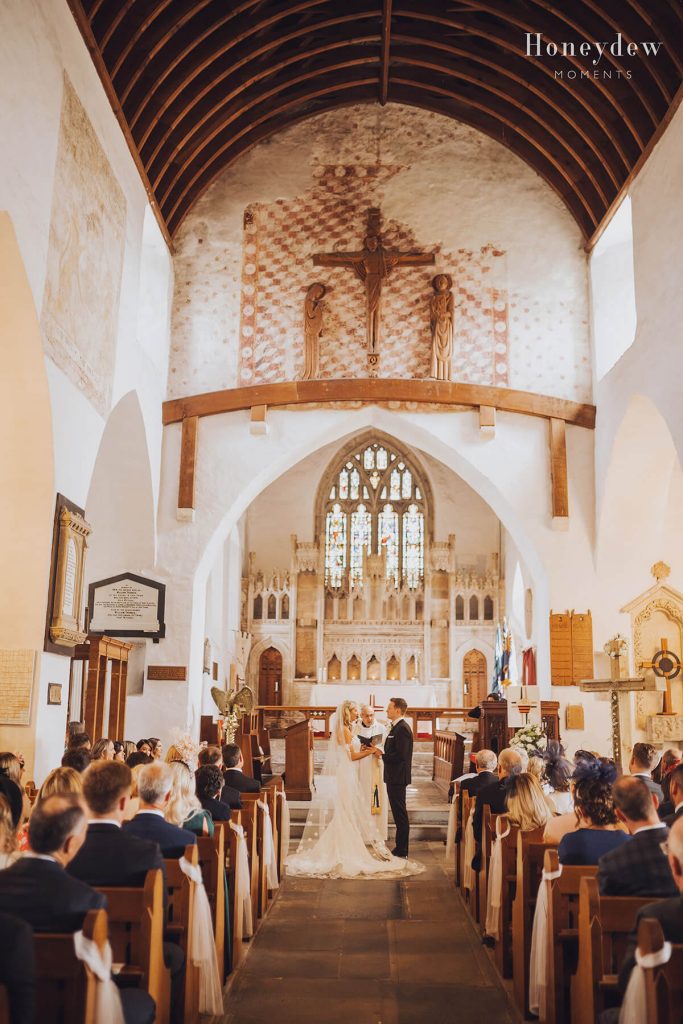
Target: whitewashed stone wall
{"points": [[243, 258]]}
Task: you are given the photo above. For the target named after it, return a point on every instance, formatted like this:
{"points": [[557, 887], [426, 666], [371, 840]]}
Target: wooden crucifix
{"points": [[372, 265], [666, 665]]}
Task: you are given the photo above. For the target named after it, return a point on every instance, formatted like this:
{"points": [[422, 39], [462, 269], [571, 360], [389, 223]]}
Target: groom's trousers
{"points": [[397, 802]]}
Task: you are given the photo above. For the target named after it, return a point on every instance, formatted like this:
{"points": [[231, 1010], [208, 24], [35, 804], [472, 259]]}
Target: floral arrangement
{"points": [[531, 737], [186, 748]]}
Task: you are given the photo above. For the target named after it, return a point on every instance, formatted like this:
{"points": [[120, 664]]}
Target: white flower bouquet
{"points": [[531, 737]]}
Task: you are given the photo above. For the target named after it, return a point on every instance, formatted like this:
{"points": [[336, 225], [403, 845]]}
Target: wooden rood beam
{"points": [[188, 464], [558, 473], [386, 47]]}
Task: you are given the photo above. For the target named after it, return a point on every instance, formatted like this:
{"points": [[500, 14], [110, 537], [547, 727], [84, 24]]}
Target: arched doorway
{"points": [[473, 678], [270, 677]]}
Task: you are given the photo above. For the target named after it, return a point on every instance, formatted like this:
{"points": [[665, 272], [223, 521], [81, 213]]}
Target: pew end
{"points": [[66, 990], [663, 984]]}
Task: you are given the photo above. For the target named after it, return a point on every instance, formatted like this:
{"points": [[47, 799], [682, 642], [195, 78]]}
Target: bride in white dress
{"points": [[337, 840]]}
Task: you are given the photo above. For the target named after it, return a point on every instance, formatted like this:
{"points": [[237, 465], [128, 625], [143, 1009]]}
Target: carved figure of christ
{"points": [[372, 265]]}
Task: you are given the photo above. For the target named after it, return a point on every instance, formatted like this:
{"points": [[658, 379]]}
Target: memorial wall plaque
{"points": [[127, 605], [64, 626], [176, 673]]}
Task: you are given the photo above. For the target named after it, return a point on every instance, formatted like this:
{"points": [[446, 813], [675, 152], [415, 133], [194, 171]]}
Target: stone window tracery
{"points": [[375, 504]]}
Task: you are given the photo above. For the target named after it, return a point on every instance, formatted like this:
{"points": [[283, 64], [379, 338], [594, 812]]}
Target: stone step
{"points": [[431, 833]]}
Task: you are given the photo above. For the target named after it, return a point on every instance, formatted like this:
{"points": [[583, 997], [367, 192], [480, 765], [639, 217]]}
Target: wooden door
{"points": [[474, 678], [270, 677]]}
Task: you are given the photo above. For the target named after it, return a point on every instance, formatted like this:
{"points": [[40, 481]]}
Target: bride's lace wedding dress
{"points": [[337, 840]]}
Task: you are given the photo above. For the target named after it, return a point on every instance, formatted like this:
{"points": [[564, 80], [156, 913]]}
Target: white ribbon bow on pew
{"points": [[108, 1009], [284, 831], [450, 831], [633, 1009], [269, 855], [494, 895], [468, 879], [243, 892], [203, 952], [538, 959]]}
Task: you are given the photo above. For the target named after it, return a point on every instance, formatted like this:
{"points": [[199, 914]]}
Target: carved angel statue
{"points": [[441, 322], [232, 706]]}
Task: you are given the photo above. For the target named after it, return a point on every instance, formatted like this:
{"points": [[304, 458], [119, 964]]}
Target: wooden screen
{"points": [[571, 648]]}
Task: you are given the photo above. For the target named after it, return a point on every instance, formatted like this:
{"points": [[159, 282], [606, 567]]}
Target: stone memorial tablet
{"points": [[127, 605]]}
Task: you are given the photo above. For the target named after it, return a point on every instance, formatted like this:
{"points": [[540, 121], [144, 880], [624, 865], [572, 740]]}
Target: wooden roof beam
{"points": [[386, 49]]}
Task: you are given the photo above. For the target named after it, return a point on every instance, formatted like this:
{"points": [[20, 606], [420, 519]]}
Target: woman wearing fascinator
{"points": [[597, 830], [338, 841]]}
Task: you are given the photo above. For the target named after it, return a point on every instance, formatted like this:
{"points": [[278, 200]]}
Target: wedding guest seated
{"points": [[157, 747], [103, 750], [128, 749], [637, 868], [234, 770], [670, 760], [557, 773], [80, 741], [510, 762], [528, 807], [144, 747], [39, 891], [12, 767], [669, 912], [77, 758], [212, 755], [17, 968], [10, 816], [597, 830], [59, 782], [119, 751], [37, 888], [138, 758], [675, 796], [155, 782], [209, 783], [183, 808], [485, 762], [644, 759], [111, 857]]}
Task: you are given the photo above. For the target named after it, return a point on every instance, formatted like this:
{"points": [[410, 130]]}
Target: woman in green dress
{"points": [[184, 809]]}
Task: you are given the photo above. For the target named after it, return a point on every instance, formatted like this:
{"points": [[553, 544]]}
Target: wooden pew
{"points": [[470, 896], [136, 934], [503, 948], [180, 922], [212, 862], [299, 761], [488, 828], [282, 842], [529, 868], [664, 984], [448, 759], [66, 990], [250, 825], [563, 933], [236, 915], [604, 924]]}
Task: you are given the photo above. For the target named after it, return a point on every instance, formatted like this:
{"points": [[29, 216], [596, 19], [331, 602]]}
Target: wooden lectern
{"points": [[299, 761]]}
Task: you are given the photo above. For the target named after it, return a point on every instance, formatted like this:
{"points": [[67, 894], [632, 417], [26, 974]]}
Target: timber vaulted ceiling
{"points": [[196, 84]]}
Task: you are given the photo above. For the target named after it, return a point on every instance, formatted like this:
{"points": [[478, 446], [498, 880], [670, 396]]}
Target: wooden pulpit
{"points": [[493, 725], [299, 761]]}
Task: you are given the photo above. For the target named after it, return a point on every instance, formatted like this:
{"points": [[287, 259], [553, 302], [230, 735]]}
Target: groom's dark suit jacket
{"points": [[398, 754]]}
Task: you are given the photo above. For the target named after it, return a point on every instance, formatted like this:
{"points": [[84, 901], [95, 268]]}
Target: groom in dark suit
{"points": [[398, 756]]}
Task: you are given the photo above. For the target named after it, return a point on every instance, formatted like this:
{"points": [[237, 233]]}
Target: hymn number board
{"points": [[571, 648]]}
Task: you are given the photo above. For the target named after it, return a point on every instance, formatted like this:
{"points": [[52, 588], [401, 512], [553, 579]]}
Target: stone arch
{"points": [[120, 502], [27, 511], [282, 647]]}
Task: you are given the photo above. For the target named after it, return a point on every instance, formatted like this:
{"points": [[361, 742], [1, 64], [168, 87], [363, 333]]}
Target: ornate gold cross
{"points": [[666, 665]]}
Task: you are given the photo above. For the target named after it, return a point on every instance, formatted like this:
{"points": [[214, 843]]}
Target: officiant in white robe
{"points": [[375, 799]]}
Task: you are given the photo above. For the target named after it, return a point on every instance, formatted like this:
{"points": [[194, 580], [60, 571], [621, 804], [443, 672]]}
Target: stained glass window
{"points": [[413, 546], [395, 484], [361, 540], [358, 518], [387, 538], [335, 546]]}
